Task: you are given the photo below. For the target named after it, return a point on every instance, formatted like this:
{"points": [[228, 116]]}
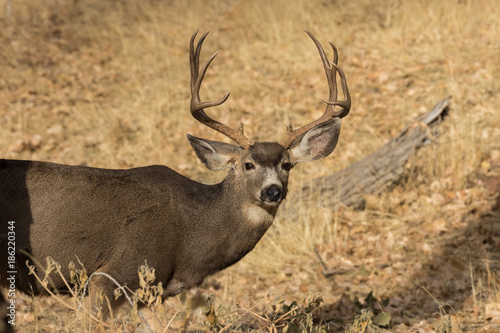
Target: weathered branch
{"points": [[377, 171]]}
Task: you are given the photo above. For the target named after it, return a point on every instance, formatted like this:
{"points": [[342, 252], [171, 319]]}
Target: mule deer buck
{"points": [[112, 221]]}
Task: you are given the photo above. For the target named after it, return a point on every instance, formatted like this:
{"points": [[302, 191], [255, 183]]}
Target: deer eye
{"points": [[249, 166], [286, 166]]}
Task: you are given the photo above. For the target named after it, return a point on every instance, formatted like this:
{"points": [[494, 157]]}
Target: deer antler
{"points": [[331, 70], [197, 105]]}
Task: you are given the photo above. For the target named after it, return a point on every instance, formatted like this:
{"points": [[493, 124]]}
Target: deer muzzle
{"points": [[272, 194]]}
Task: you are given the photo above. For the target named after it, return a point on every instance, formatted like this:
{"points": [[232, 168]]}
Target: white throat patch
{"points": [[257, 215]]}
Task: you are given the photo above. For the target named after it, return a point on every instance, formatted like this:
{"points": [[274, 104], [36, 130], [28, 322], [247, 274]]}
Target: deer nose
{"points": [[271, 194]]}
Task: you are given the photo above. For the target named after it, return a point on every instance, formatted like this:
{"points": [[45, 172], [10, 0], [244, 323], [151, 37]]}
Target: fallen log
{"points": [[376, 172]]}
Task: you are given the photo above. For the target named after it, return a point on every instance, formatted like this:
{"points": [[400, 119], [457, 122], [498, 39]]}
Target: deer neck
{"points": [[239, 225]]}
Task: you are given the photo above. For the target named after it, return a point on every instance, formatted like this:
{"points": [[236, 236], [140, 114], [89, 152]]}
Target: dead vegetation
{"points": [[106, 84]]}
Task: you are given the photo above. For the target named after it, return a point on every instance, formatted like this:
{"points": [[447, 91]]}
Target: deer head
{"points": [[262, 168]]}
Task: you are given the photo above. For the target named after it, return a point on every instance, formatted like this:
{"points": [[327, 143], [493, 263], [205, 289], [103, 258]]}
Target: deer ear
{"points": [[316, 143], [215, 155]]}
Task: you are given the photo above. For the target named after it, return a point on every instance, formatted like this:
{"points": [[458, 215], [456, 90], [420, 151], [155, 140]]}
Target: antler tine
{"points": [[346, 103], [197, 105], [331, 69]]}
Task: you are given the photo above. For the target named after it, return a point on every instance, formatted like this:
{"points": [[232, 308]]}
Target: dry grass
{"points": [[106, 83]]}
